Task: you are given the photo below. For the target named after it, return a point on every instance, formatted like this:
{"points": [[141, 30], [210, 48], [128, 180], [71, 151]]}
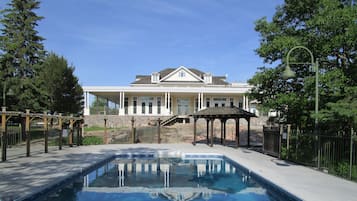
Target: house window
{"points": [[135, 101], [126, 103], [182, 74], [240, 104], [216, 105], [143, 108], [223, 105], [150, 107], [158, 105], [207, 102], [231, 102]]}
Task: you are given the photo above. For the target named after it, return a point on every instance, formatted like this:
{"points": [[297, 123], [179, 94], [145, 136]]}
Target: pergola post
{"points": [[207, 130], [45, 130], [78, 126], [70, 136], [224, 131], [194, 130], [60, 127], [28, 135], [3, 134], [248, 140], [237, 132], [212, 120]]}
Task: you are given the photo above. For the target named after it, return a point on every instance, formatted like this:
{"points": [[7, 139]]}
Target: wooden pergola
{"points": [[223, 114]]}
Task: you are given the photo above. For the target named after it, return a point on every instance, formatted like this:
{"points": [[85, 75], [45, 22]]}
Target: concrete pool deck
{"points": [[22, 177]]}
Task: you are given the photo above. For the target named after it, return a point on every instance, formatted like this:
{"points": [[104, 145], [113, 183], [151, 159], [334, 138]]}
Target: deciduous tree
{"points": [[329, 29]]}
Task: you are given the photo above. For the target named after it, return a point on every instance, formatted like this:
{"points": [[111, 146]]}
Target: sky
{"points": [[109, 42]]}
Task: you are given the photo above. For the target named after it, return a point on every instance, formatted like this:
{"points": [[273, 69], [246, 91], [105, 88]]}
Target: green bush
{"points": [[92, 140], [342, 169]]}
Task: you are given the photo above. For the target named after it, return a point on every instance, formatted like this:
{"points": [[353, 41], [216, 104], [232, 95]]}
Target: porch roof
{"points": [[223, 113]]}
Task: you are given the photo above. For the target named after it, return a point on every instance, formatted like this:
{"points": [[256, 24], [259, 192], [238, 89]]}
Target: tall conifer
{"points": [[22, 54]]}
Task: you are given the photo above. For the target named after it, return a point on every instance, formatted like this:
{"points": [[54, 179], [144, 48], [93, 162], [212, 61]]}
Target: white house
{"points": [[172, 91]]}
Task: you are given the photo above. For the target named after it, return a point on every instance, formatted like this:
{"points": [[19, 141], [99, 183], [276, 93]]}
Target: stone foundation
{"points": [[115, 121]]}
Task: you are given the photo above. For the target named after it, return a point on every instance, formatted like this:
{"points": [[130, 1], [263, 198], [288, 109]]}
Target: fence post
{"points": [[45, 131], [281, 130], [351, 153], [158, 130], [288, 141], [132, 130], [105, 137], [28, 135], [81, 131], [78, 125], [4, 134], [60, 127]]}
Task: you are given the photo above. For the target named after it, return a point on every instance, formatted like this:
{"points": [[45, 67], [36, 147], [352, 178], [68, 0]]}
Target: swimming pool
{"points": [[146, 177]]}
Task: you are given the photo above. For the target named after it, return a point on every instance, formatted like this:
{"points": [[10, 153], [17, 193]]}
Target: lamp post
{"points": [[288, 73]]}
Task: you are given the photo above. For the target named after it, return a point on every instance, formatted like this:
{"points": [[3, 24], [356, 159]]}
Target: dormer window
{"points": [[182, 74], [207, 78], [155, 77]]}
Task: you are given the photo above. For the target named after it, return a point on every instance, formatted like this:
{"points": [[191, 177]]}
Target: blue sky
{"points": [[111, 41]]}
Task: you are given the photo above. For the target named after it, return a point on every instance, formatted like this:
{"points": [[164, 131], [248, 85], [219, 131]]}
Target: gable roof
{"points": [[181, 68], [146, 79]]}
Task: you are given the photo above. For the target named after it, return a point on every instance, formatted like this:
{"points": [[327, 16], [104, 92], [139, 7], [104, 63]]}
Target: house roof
{"points": [[146, 79]]}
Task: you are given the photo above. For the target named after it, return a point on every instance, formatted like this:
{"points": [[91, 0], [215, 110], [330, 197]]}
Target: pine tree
{"points": [[22, 56]]}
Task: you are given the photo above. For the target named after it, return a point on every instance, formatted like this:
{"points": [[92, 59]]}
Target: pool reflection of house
{"points": [[170, 178], [172, 91]]}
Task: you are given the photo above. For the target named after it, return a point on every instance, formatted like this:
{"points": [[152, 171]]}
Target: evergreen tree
{"points": [[329, 29], [65, 95], [22, 55]]}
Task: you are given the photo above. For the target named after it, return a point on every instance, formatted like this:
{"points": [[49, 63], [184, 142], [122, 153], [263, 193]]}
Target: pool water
{"points": [[137, 179]]}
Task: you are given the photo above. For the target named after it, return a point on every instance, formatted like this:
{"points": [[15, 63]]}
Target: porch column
{"points": [[169, 102], [86, 103], [121, 103], [165, 100], [237, 132], [202, 102], [199, 102], [247, 103], [248, 137], [244, 103]]}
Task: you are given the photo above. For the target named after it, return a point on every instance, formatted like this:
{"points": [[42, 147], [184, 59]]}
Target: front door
{"points": [[183, 106]]}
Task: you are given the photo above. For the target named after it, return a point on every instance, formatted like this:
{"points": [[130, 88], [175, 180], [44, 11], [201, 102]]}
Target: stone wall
{"points": [[115, 121]]}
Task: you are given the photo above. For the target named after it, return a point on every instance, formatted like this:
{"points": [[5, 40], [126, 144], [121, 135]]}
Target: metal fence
{"points": [[334, 153], [147, 134]]}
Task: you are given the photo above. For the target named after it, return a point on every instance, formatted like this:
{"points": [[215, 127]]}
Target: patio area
{"points": [[22, 177]]}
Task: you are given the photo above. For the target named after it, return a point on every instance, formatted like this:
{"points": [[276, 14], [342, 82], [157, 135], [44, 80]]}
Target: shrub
{"points": [[92, 140]]}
